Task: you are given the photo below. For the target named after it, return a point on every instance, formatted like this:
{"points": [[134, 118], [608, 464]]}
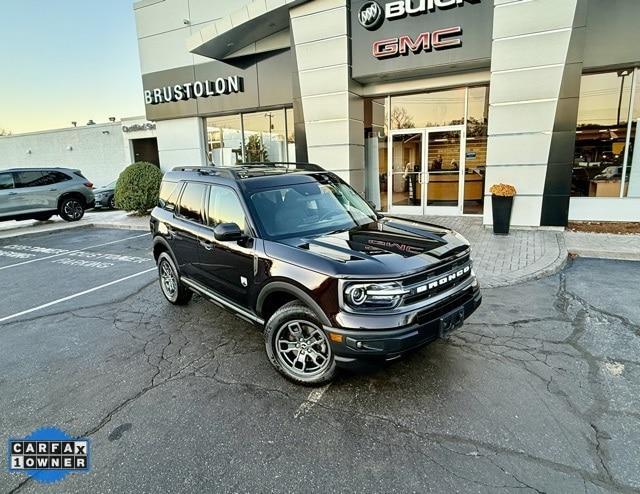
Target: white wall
{"points": [[100, 151], [333, 110], [531, 42], [162, 33], [604, 209], [181, 142]]}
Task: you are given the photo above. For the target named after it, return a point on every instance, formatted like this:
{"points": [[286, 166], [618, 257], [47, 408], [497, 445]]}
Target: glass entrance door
{"points": [[405, 169], [426, 167]]}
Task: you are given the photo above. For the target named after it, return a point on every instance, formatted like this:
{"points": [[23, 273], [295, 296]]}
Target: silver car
{"points": [[39, 193]]}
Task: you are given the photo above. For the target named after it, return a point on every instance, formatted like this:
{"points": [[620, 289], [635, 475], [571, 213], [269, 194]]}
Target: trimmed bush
{"points": [[138, 186]]}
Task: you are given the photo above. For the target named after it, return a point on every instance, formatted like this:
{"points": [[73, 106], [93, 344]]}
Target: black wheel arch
{"points": [[290, 292], [160, 245], [75, 195]]}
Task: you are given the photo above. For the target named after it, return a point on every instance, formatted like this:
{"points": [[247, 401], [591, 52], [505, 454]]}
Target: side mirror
{"points": [[225, 232]]}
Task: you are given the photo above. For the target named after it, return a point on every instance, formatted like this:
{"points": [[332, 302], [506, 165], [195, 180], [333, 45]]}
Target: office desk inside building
{"points": [[444, 186]]}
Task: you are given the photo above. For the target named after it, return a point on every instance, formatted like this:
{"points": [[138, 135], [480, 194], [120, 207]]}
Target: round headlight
{"points": [[357, 295]]}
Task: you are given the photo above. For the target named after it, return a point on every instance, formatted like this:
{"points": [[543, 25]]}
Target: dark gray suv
{"points": [[39, 193]]}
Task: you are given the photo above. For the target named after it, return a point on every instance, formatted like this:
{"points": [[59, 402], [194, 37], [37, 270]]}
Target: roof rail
{"points": [[310, 167], [203, 170]]}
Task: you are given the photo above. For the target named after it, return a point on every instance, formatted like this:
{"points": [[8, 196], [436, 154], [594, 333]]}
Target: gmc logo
{"points": [[396, 247], [442, 39]]}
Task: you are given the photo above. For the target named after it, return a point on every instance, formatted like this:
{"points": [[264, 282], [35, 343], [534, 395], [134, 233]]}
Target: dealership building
{"points": [[421, 105]]}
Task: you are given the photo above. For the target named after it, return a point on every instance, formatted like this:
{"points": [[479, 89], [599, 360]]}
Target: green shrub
{"points": [[137, 187]]}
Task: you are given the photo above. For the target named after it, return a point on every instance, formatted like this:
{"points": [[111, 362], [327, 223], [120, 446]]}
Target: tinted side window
{"points": [[29, 179], [225, 207], [6, 181], [191, 202], [50, 178], [168, 195]]}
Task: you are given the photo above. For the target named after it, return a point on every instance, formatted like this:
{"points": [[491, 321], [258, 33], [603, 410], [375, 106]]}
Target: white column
{"points": [[333, 111], [181, 142]]}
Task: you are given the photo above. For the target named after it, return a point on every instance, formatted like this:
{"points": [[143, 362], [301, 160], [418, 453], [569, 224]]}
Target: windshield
{"points": [[310, 209], [111, 185]]}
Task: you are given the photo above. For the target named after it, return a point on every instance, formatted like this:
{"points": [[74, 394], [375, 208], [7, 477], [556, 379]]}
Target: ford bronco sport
{"points": [[295, 250]]}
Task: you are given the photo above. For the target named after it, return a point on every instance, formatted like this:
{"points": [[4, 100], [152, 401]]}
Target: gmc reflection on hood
{"points": [[395, 247]]}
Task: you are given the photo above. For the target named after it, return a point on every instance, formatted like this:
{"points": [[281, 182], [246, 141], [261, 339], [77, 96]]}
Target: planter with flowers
{"points": [[502, 203]]}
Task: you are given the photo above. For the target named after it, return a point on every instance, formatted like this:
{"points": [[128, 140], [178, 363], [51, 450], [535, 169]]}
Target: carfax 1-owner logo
{"points": [[48, 455]]}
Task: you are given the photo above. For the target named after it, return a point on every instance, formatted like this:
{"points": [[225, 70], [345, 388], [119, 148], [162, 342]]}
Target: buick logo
{"points": [[371, 15]]}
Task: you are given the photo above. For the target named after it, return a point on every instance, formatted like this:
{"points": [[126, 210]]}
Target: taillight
{"points": [[88, 184]]}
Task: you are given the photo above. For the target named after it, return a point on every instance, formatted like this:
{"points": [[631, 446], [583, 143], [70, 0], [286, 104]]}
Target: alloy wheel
{"points": [[302, 349], [168, 280], [73, 209]]}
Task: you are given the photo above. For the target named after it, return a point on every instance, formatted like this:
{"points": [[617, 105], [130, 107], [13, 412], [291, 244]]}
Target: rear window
{"points": [[191, 201], [54, 177], [168, 195]]}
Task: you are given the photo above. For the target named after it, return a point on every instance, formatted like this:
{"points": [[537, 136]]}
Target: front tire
{"points": [[170, 285], [71, 209], [112, 202], [298, 347]]}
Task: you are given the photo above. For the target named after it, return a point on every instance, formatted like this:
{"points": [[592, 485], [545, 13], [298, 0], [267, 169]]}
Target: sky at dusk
{"points": [[67, 60]]}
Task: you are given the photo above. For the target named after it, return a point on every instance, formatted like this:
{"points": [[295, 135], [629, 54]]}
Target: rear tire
{"points": [[298, 347], [170, 285], [71, 209]]}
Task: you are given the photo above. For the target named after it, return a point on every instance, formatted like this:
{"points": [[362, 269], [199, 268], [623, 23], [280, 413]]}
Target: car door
{"points": [[53, 185], [31, 186], [187, 229], [8, 195], [228, 266]]}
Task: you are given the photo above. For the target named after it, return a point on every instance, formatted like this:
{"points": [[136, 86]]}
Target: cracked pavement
{"points": [[539, 391]]}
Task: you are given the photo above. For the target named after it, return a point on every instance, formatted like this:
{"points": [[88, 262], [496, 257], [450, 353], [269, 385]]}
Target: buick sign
{"points": [[371, 15]]}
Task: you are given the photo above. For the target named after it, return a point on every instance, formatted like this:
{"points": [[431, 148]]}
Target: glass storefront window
{"points": [[436, 109], [265, 136], [247, 137], [422, 112], [476, 151], [224, 140], [633, 160], [601, 134], [291, 136]]}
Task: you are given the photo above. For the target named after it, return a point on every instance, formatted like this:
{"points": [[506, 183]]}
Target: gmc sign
{"points": [[442, 39]]}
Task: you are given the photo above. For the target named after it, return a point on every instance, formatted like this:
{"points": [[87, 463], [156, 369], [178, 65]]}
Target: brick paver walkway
{"points": [[504, 260]]}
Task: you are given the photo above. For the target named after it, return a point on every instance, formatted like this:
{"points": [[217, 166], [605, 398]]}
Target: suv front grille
{"points": [[460, 267]]}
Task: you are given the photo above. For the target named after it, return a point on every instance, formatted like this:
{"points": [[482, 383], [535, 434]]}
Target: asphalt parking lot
{"points": [[539, 391]]}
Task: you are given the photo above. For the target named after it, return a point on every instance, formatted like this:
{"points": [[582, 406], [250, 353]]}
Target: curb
{"points": [[609, 255], [73, 226]]}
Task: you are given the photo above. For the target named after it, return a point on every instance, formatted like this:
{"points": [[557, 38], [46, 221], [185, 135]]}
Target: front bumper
{"points": [[102, 202], [362, 348]]}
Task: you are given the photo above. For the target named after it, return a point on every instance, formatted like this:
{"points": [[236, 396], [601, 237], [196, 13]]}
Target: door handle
{"points": [[12, 194], [206, 245], [54, 189]]}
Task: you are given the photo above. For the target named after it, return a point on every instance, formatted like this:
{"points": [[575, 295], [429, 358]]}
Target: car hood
{"points": [[388, 247]]}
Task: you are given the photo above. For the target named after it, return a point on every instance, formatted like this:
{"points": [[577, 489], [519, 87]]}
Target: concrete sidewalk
{"points": [[104, 219]]}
